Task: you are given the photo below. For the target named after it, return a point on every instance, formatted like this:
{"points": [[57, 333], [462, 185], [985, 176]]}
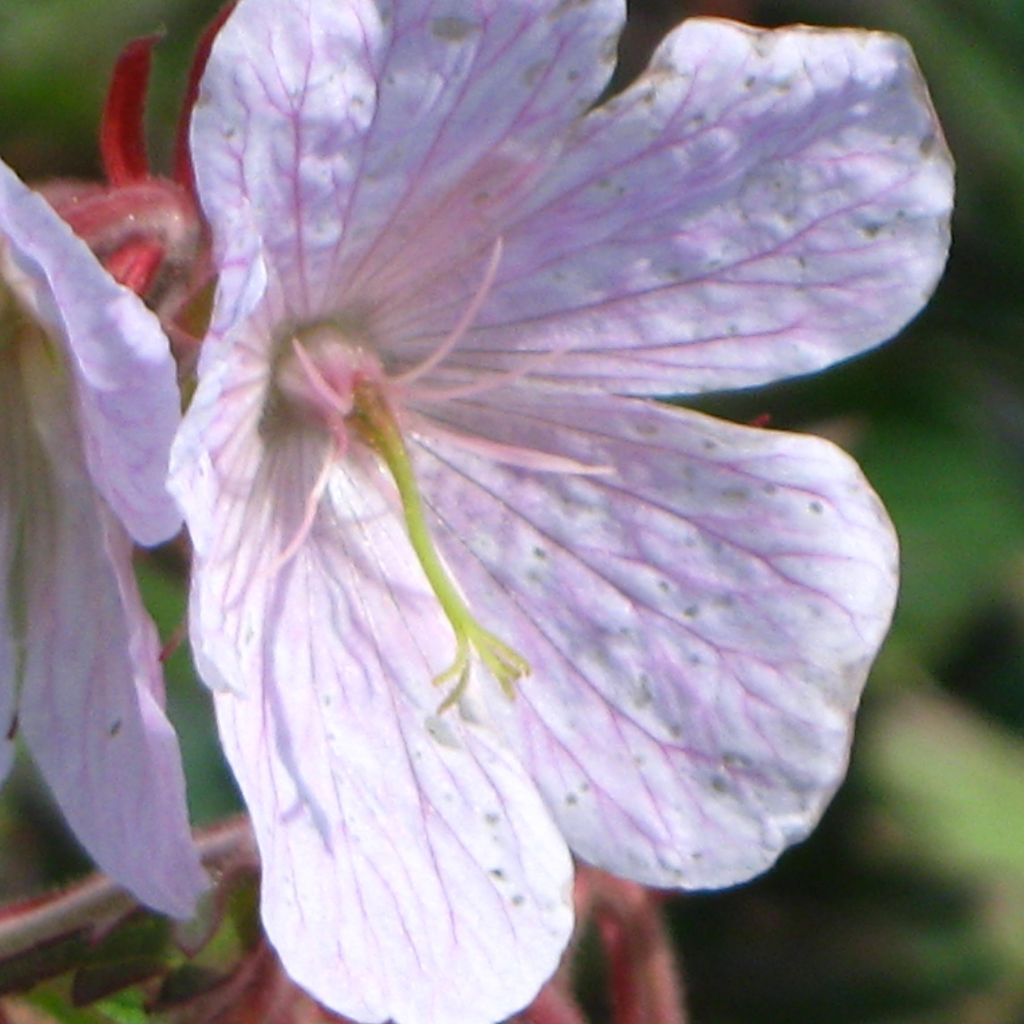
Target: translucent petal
{"points": [[757, 205], [340, 132], [700, 622], [91, 708], [126, 394], [410, 869]]}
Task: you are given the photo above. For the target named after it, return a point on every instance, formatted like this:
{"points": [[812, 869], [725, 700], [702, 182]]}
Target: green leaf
{"points": [[958, 513], [952, 783]]}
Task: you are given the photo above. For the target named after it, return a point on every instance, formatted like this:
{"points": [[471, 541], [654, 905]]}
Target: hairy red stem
{"points": [[122, 128]]}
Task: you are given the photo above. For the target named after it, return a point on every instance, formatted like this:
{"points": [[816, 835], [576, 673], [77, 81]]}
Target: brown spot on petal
{"points": [[452, 29], [533, 73]]}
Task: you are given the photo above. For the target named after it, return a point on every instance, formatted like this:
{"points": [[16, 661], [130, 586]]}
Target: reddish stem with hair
{"points": [[644, 978], [553, 1006], [122, 128], [136, 265]]}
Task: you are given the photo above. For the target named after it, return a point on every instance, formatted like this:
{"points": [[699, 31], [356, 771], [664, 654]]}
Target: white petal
{"points": [[758, 205], [337, 131], [125, 393], [410, 869], [699, 622]]}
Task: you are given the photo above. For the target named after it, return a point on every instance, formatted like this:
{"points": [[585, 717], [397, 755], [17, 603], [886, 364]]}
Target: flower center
{"points": [[317, 376], [326, 380]]}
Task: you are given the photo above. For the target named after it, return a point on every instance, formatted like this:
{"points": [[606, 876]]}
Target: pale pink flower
{"points": [[88, 410], [414, 458]]}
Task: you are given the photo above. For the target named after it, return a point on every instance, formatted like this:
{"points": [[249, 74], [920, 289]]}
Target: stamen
{"points": [[309, 515], [488, 380], [174, 641], [464, 323], [337, 409], [378, 428], [341, 388], [511, 455]]}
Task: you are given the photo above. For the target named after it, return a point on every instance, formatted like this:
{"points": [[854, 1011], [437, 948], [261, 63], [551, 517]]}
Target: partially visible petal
{"points": [[91, 706], [344, 134], [410, 869], [218, 478], [759, 204], [118, 356], [700, 622]]}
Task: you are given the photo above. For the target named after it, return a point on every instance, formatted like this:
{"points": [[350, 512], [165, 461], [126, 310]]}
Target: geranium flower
{"points": [[89, 407], [466, 602]]}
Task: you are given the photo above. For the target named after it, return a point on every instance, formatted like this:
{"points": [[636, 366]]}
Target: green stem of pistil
{"points": [[378, 428]]}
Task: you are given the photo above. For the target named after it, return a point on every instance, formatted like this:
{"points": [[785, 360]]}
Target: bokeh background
{"points": [[907, 905]]}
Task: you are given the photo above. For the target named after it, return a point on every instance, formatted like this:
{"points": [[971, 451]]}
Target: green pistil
{"points": [[377, 426]]}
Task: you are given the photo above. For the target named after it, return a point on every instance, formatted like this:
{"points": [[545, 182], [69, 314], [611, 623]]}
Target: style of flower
{"points": [[88, 410], [466, 599]]}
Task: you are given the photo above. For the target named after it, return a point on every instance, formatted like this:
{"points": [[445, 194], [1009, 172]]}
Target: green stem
{"points": [[379, 429]]}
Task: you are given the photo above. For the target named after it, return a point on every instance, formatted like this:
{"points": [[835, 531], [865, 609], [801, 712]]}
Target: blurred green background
{"points": [[907, 905]]}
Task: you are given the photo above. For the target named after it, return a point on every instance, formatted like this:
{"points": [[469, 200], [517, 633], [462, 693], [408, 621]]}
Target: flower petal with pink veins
{"points": [[410, 869], [700, 622], [341, 131], [126, 389], [759, 204], [424, 227], [91, 689]]}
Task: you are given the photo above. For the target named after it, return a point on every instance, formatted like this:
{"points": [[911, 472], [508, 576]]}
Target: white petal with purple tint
{"points": [[758, 205], [91, 687], [410, 869], [338, 130], [700, 620]]}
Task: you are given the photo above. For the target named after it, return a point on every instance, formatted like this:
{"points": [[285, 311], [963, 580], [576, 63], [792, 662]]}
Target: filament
{"points": [[509, 454], [488, 380], [312, 505], [469, 315]]}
